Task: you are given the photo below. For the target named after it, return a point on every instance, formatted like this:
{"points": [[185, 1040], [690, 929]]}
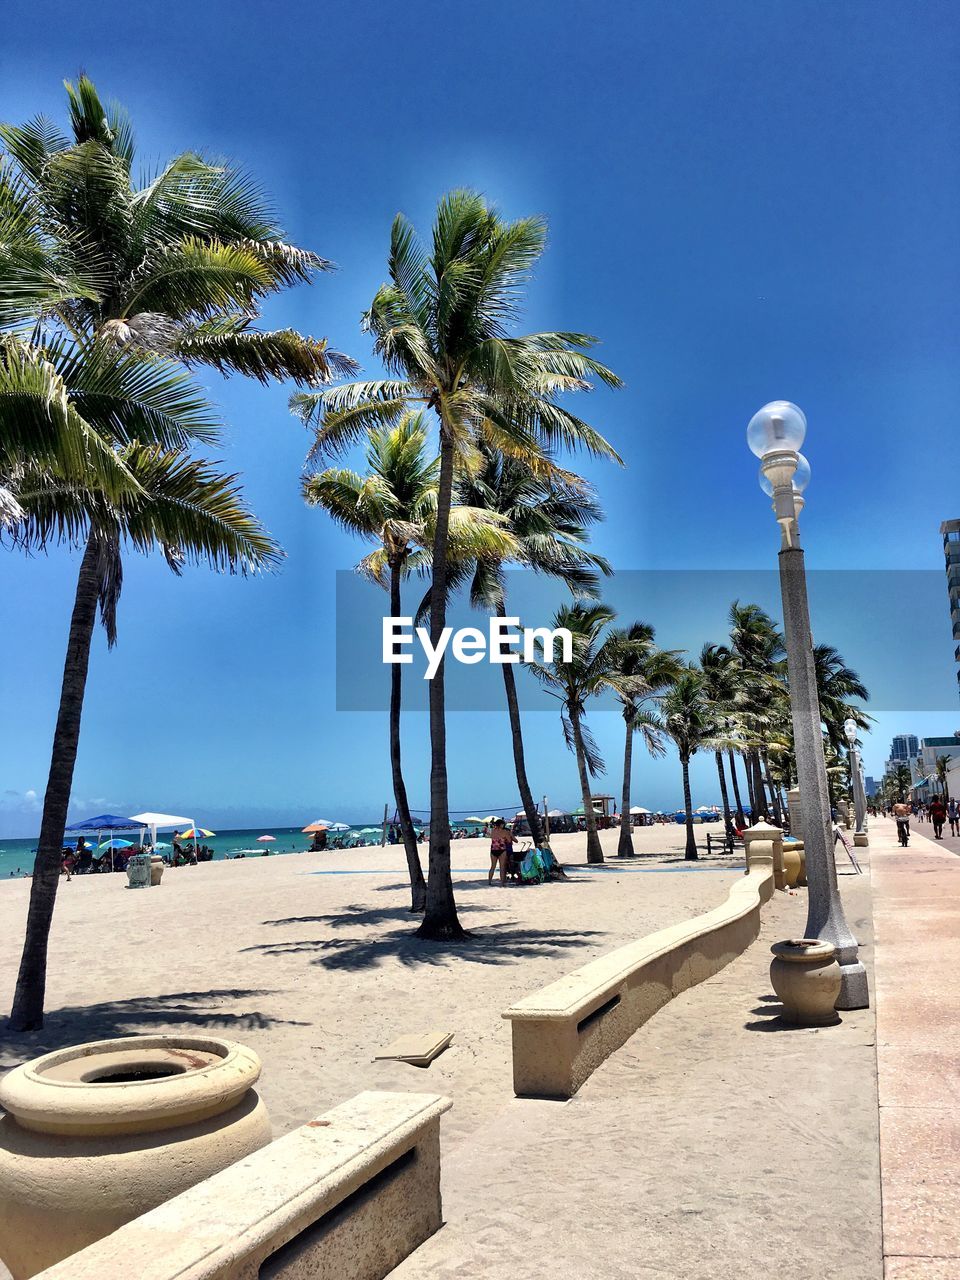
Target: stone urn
{"points": [[792, 863], [97, 1134], [156, 869], [806, 976]]}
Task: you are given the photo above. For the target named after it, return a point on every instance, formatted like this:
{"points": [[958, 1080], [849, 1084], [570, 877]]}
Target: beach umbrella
{"points": [[369, 831], [557, 813], [116, 844], [311, 827], [638, 808], [266, 839], [192, 833], [339, 826], [578, 812], [474, 818]]}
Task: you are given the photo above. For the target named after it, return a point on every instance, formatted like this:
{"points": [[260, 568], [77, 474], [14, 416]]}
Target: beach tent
{"points": [[109, 822], [157, 820], [557, 813], [638, 808]]}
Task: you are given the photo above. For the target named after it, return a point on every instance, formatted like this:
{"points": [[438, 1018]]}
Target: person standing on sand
{"points": [[501, 846]]}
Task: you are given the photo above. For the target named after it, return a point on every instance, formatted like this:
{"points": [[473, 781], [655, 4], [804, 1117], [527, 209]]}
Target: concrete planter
{"points": [[97, 1134], [806, 976], [156, 869], [792, 863]]}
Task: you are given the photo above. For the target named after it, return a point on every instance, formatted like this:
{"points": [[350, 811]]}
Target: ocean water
{"points": [[19, 854]]}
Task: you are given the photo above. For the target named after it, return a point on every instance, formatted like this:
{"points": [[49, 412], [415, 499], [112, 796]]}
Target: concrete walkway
{"points": [[917, 921], [717, 1144]]}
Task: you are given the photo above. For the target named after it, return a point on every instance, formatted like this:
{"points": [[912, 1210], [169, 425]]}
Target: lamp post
{"points": [[856, 783], [775, 435]]}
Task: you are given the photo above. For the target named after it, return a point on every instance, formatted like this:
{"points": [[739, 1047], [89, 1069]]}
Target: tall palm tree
{"points": [[759, 648], [547, 518], [901, 781], [721, 691], [645, 671], [179, 265], [589, 674], [395, 505], [191, 513], [442, 327], [686, 718]]}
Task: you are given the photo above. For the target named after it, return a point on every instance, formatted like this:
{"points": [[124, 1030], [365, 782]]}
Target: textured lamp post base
{"points": [[854, 992], [860, 840]]}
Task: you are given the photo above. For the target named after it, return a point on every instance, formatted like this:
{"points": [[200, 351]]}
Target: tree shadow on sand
{"points": [[497, 944], [204, 1011], [356, 913]]}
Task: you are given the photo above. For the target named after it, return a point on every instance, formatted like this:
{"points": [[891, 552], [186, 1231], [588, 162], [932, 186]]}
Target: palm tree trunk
{"points": [[756, 781], [625, 846], [27, 1012], [440, 920], [727, 822], [418, 887], [774, 794], [690, 852], [594, 848], [732, 760], [519, 761]]}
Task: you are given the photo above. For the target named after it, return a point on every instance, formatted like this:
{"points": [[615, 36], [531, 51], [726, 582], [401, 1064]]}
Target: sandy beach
{"points": [[310, 960]]}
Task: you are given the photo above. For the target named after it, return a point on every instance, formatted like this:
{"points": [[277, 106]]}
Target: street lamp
{"points": [[856, 782], [775, 435]]}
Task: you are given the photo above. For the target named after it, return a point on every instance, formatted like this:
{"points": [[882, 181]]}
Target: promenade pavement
{"points": [[718, 1144], [916, 895]]}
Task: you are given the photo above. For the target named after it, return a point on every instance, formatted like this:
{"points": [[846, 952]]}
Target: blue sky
{"points": [[746, 201]]}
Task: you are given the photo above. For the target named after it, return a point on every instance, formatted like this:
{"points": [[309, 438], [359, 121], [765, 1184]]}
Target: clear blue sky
{"points": [[746, 201]]}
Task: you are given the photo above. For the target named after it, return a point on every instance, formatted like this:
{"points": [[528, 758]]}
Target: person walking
{"points": [[938, 813], [953, 817]]}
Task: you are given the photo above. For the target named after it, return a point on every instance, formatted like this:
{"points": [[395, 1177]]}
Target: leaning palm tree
{"points": [[686, 718], [837, 685], [759, 649], [442, 328], [178, 265], [645, 671], [547, 518], [588, 674], [395, 506], [188, 511]]}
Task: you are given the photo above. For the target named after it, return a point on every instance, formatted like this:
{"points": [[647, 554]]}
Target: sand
{"points": [[317, 972]]}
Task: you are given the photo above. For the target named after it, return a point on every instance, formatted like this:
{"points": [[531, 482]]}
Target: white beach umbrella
{"points": [[638, 808]]}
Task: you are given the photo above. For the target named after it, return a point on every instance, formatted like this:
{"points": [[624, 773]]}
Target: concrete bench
{"points": [[563, 1032], [351, 1193]]}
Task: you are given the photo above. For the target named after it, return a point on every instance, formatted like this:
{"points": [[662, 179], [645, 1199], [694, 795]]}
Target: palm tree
{"points": [[759, 649], [189, 512], [901, 780], [178, 266], [395, 505], [547, 518], [441, 327], [645, 672], [686, 718], [589, 673], [720, 689], [943, 768], [837, 684]]}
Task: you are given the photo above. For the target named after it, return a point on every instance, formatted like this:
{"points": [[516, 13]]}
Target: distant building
{"points": [[931, 749], [870, 787], [904, 749], [950, 529]]}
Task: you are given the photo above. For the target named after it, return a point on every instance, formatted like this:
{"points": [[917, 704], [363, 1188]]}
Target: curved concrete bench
{"points": [[349, 1194], [563, 1032]]}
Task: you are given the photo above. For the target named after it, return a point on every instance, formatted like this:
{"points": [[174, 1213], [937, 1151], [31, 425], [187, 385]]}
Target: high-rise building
{"points": [[950, 529], [904, 748], [870, 786]]}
